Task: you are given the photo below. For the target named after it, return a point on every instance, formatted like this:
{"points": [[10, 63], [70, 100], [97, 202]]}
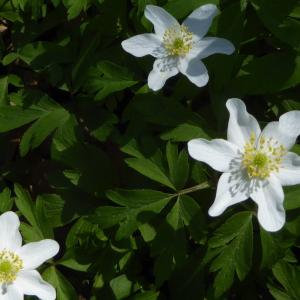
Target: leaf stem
{"points": [[192, 189]]}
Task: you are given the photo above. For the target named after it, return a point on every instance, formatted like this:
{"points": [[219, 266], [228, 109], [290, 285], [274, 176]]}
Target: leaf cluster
{"points": [[91, 157]]}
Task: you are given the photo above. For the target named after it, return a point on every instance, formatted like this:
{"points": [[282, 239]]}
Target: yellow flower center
{"points": [[177, 40], [262, 158], [10, 265]]}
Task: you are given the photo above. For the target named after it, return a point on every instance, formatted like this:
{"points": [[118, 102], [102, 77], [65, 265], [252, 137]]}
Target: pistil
{"points": [[262, 158], [10, 265], [177, 40]]}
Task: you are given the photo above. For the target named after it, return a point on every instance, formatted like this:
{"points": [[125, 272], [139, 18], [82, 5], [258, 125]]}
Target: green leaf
{"points": [[184, 133], [31, 213], [9, 58], [169, 244], [162, 111], [25, 205], [43, 54], [70, 262], [53, 206], [9, 12], [288, 275], [107, 78], [152, 166], [89, 167], [30, 233], [75, 7], [192, 216], [278, 294], [178, 166], [121, 287], [63, 208], [138, 207], [3, 90], [275, 16], [64, 289], [12, 117], [80, 230], [235, 242], [292, 197], [85, 59], [6, 201], [136, 198], [188, 282], [100, 122], [151, 295], [268, 74], [108, 216], [149, 169], [273, 248], [43, 127]]}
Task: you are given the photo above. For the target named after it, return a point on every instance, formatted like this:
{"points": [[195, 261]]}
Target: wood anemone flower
{"points": [[255, 163], [18, 276], [178, 48]]}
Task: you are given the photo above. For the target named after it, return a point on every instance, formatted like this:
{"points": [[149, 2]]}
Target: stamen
{"points": [[178, 40], [262, 158], [10, 265]]}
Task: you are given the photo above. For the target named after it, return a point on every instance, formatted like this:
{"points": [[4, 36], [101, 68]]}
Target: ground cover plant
{"points": [[133, 134]]}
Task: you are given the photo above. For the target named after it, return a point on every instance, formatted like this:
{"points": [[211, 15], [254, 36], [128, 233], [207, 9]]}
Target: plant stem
{"points": [[192, 189]]}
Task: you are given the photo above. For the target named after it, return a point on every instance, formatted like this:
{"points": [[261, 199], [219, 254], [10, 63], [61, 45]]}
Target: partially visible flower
{"points": [[255, 163], [178, 48], [18, 276]]}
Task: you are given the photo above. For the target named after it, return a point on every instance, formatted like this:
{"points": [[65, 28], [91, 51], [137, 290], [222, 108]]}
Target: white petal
{"points": [[12, 293], [286, 130], [210, 45], [31, 283], [241, 124], [219, 154], [144, 44], [272, 130], [10, 236], [289, 173], [163, 69], [194, 70], [289, 123], [160, 19], [200, 19], [269, 198], [34, 254], [232, 188]]}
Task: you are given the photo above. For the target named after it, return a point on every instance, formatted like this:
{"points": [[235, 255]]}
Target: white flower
{"points": [[255, 163], [18, 276], [178, 48]]}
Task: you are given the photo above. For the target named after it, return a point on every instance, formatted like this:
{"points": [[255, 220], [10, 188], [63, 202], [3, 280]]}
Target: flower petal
{"points": [[144, 44], [160, 19], [289, 123], [232, 188], [34, 254], [163, 69], [210, 45], [286, 130], [200, 19], [272, 130], [12, 293], [31, 283], [219, 154], [268, 196], [289, 173], [195, 70], [10, 236], [241, 124]]}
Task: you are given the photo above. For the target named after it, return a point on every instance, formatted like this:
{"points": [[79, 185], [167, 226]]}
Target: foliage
{"points": [[94, 159]]}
